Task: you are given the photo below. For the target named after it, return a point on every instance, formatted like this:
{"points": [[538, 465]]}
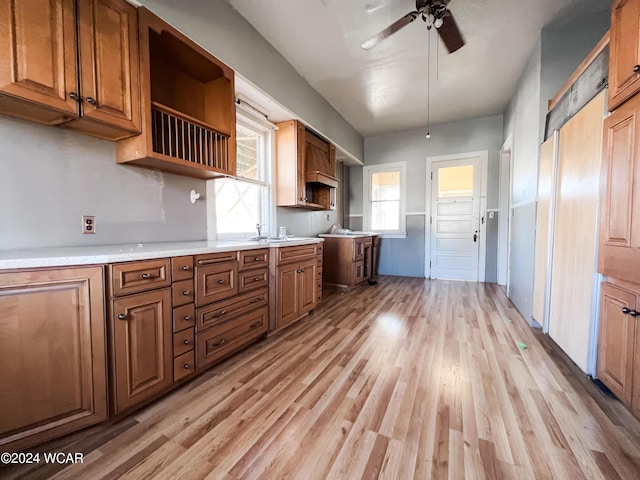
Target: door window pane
{"points": [[455, 181]]}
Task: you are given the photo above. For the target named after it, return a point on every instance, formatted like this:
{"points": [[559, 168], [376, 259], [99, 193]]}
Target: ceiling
{"points": [[385, 89]]}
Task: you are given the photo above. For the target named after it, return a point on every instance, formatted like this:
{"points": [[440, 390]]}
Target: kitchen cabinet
{"points": [[232, 303], [619, 338], [85, 79], [349, 260], [188, 114], [140, 331], [305, 168], [619, 244], [294, 279], [52, 352], [624, 63], [183, 303]]}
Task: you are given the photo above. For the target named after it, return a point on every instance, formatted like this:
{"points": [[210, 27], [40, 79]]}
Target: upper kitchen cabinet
{"points": [[71, 64], [306, 168], [624, 64], [188, 108]]}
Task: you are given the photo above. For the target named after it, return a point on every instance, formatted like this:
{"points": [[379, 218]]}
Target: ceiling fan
{"points": [[435, 14]]}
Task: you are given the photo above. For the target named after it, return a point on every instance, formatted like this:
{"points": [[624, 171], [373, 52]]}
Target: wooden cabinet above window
{"points": [[305, 168], [85, 79], [188, 109], [624, 64]]}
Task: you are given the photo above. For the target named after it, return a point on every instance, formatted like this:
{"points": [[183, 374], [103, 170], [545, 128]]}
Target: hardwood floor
{"points": [[410, 378]]}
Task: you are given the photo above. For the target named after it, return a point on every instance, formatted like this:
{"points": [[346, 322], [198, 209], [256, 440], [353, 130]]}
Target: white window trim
{"points": [[367, 172]]}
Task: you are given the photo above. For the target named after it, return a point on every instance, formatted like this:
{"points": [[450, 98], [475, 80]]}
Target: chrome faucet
{"points": [[259, 228]]}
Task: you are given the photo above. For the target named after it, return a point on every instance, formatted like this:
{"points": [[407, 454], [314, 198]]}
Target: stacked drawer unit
{"points": [[183, 317], [231, 302]]}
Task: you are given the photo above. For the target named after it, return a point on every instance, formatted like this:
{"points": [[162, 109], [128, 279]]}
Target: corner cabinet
{"points": [[85, 80], [52, 352], [624, 74], [187, 106], [305, 168]]}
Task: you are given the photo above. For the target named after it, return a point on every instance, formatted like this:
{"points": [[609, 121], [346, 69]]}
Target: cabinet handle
{"points": [[256, 325], [257, 259], [186, 366], [146, 276], [186, 267], [636, 69], [220, 342], [221, 282], [186, 293], [220, 313], [625, 310], [302, 270], [122, 316], [187, 318], [255, 300], [256, 279], [92, 101], [74, 96], [634, 313], [186, 342]]}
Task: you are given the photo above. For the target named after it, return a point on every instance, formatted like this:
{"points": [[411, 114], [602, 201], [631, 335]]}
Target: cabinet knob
{"points": [[74, 96], [122, 316], [636, 69], [187, 318], [221, 282], [634, 313], [186, 293], [92, 101], [186, 267], [186, 366], [146, 275], [257, 259], [625, 310], [186, 342], [256, 279]]}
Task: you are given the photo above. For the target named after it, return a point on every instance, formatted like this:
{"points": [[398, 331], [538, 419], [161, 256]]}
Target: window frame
{"points": [[367, 174]]}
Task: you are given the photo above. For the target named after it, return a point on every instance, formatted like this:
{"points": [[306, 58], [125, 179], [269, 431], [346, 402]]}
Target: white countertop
{"points": [[347, 235], [67, 256]]}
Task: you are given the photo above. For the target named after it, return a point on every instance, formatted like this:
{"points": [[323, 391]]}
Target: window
{"points": [[384, 199], [243, 202]]}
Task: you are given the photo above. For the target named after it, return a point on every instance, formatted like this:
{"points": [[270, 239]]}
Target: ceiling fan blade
{"points": [[390, 30], [450, 33]]}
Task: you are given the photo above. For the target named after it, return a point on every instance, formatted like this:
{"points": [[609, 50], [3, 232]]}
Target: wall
{"points": [[407, 256], [50, 177], [217, 27]]}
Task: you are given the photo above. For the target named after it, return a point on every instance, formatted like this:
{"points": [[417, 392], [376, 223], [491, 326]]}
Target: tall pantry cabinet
{"points": [[619, 242]]}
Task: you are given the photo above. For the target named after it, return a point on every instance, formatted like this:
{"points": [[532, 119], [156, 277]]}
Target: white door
{"points": [[455, 219]]}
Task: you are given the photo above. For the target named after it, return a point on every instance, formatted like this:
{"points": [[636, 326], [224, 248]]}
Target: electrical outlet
{"points": [[88, 224]]}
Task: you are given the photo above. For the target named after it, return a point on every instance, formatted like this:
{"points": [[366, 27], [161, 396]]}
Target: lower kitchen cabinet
{"points": [[52, 352], [619, 344], [349, 260], [141, 343]]}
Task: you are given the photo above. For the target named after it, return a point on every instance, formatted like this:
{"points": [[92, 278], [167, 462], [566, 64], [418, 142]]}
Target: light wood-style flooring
{"points": [[408, 379]]}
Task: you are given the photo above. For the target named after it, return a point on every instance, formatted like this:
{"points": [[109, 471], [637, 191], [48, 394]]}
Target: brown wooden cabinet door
{"points": [[108, 54], [624, 65], [38, 60], [301, 156], [616, 340], [635, 389], [52, 352], [368, 262], [216, 282], [287, 302], [307, 297], [358, 249], [142, 347], [619, 231]]}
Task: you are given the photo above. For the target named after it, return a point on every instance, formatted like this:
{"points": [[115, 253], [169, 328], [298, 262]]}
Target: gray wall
{"points": [[561, 47], [407, 256], [50, 177]]}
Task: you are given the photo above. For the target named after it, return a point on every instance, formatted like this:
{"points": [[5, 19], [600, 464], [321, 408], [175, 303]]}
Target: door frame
{"points": [[504, 211], [484, 165]]}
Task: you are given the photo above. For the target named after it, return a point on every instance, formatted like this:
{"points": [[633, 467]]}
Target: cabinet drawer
{"points": [[181, 268], [133, 277], [183, 365], [222, 312], [183, 342], [319, 272], [217, 343], [182, 292], [294, 254], [184, 317], [216, 282], [319, 262], [249, 259], [253, 279], [211, 258]]}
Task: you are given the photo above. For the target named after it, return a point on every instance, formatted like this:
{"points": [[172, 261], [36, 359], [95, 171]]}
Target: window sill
{"points": [[393, 235]]}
